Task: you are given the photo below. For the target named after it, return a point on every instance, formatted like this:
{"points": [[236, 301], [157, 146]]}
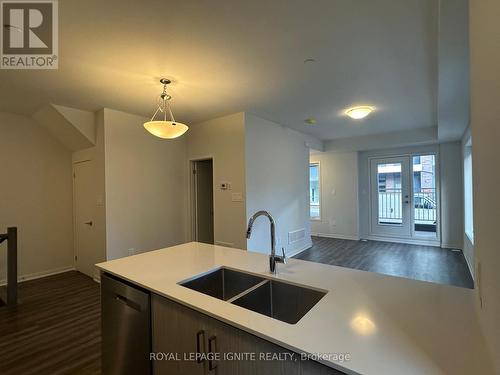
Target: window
{"points": [[389, 193], [468, 201], [314, 191], [425, 202]]}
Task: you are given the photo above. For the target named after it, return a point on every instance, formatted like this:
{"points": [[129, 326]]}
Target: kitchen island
{"points": [[365, 323]]}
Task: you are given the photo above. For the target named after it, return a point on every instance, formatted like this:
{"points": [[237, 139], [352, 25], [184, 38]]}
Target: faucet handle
{"points": [[284, 255]]}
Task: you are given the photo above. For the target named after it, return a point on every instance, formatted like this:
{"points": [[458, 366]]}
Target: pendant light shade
{"points": [[167, 129]]}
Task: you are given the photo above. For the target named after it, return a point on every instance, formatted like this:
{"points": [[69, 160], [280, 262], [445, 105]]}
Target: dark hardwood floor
{"points": [[425, 263], [54, 330]]}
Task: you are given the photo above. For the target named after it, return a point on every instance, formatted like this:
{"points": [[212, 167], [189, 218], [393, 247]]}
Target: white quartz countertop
{"points": [[387, 325]]}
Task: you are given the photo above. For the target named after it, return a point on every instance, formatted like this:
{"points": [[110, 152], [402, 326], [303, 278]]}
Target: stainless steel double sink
{"points": [[277, 299]]}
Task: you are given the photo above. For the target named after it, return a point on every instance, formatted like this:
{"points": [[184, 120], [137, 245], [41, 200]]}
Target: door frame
{"points": [[193, 235], [413, 238]]}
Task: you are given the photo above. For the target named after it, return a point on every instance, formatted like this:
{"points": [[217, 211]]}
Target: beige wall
{"points": [[485, 127], [35, 196], [223, 139], [339, 195], [145, 187]]}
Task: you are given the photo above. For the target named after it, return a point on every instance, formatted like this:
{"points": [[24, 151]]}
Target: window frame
{"points": [[468, 186], [318, 164]]}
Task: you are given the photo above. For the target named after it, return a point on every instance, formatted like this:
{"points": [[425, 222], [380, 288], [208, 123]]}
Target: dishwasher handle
{"points": [[128, 302]]}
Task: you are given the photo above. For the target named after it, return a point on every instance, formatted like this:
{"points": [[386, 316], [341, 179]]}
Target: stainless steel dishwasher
{"points": [[126, 328]]}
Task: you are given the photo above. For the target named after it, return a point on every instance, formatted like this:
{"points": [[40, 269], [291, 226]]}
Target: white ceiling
{"points": [[226, 56]]}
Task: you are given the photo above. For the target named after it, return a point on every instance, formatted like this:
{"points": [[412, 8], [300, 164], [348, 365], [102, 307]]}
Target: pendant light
{"points": [[163, 128]]}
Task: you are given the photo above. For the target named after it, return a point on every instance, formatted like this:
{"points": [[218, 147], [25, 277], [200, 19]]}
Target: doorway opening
{"points": [[202, 200]]}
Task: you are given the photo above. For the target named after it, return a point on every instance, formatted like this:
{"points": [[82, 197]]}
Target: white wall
{"points": [[485, 127], [452, 227], [223, 139], [339, 195], [277, 175], [450, 180], [35, 196], [145, 187], [402, 138]]}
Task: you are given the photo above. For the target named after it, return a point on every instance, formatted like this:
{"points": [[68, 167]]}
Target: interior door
{"points": [[204, 201], [86, 251], [390, 196]]}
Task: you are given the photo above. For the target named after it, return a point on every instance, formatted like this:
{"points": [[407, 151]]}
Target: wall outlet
{"points": [[333, 222], [131, 251]]}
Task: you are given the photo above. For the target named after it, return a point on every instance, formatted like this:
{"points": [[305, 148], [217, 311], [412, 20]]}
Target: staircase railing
{"points": [[11, 238]]}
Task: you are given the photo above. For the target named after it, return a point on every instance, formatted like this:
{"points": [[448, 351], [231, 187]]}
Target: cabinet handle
{"points": [[211, 351], [199, 358]]}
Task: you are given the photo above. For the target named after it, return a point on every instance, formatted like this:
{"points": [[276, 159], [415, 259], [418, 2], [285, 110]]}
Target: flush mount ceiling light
{"points": [[360, 112], [163, 128]]}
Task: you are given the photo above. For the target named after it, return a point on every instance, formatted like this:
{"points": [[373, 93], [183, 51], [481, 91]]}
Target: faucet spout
{"points": [[273, 257]]}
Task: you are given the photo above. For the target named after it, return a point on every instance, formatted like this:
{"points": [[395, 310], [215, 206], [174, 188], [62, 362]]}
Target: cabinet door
{"points": [[177, 331], [268, 358], [244, 354]]}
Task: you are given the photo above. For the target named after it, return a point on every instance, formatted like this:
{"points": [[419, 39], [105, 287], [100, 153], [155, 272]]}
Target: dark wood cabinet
{"points": [[180, 334]]}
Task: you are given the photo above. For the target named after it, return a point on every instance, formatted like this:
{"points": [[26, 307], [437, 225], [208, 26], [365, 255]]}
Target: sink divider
{"points": [[245, 292]]}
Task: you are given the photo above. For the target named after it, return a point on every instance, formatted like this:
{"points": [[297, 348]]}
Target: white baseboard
{"points": [[470, 268], [38, 275], [450, 246], [409, 241], [308, 245], [225, 244], [338, 236]]}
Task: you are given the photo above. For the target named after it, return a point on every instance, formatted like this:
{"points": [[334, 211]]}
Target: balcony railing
{"points": [[425, 204], [390, 206]]}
